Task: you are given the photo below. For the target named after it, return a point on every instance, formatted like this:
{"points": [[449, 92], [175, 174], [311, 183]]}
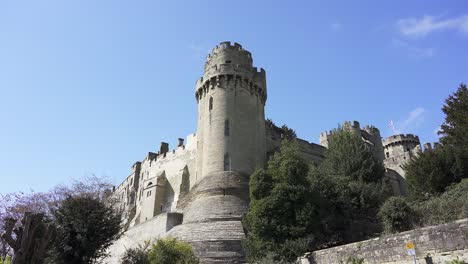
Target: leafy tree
{"points": [[351, 187], [281, 217], [16, 205], [172, 251], [397, 215], [433, 171], [454, 130], [85, 227], [430, 172]]}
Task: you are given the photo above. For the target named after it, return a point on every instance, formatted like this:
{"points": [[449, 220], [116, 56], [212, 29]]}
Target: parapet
{"points": [[371, 129], [353, 124], [400, 139], [225, 47]]}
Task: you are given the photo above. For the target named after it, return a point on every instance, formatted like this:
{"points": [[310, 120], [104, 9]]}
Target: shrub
{"points": [[138, 255], [354, 260], [397, 215], [450, 206], [171, 251]]}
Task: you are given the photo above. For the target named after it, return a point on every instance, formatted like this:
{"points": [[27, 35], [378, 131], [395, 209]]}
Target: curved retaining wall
{"points": [[212, 218]]}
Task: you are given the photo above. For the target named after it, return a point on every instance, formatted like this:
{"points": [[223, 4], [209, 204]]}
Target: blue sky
{"points": [[92, 86]]}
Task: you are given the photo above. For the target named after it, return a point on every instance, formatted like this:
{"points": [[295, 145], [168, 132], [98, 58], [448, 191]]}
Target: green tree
{"points": [[397, 215], [85, 227], [350, 182], [454, 130], [171, 251], [281, 217], [430, 172]]}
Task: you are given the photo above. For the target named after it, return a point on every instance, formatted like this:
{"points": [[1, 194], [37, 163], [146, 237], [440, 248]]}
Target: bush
{"points": [[450, 206], [138, 255], [354, 260], [397, 215], [171, 251]]}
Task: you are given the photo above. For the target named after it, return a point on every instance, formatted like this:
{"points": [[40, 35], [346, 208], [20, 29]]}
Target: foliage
{"points": [[431, 172], [454, 130], [5, 260], [15, 205], [397, 215], [450, 206], [354, 260], [282, 215], [86, 227], [286, 132], [171, 251], [351, 187], [455, 261], [271, 258], [138, 255]]}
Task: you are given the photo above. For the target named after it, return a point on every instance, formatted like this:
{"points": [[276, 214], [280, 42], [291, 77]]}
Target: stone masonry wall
{"points": [[433, 245]]}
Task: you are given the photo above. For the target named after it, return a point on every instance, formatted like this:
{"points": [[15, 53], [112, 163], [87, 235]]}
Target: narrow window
{"points": [[226, 127], [227, 162], [388, 155], [211, 103]]}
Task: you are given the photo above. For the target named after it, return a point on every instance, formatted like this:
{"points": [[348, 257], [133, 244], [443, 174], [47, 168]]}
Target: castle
{"points": [[198, 192]]}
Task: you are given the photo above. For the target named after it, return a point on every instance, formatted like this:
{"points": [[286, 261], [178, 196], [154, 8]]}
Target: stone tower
{"points": [[399, 149], [231, 99], [231, 144]]}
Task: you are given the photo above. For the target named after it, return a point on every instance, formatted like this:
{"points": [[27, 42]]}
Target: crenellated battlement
{"points": [[352, 124], [371, 129], [254, 86], [400, 139], [225, 47]]}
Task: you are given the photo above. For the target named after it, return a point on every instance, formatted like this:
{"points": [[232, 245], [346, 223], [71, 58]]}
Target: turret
{"points": [[397, 145], [231, 98]]}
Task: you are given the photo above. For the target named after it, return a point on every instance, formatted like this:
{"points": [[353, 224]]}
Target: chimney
{"points": [[164, 148], [181, 142]]}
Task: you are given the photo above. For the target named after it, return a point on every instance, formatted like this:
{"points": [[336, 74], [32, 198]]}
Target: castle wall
{"points": [[309, 151], [433, 244], [159, 181]]}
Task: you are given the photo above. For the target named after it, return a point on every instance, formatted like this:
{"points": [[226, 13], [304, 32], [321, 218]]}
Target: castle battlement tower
{"points": [[231, 98]]}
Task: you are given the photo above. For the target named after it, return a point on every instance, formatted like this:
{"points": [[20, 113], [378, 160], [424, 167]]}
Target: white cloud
{"points": [[411, 123], [412, 50], [337, 26], [420, 27]]}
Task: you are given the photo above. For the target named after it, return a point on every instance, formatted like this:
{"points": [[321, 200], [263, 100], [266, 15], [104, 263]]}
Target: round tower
{"points": [[231, 98], [398, 145]]}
